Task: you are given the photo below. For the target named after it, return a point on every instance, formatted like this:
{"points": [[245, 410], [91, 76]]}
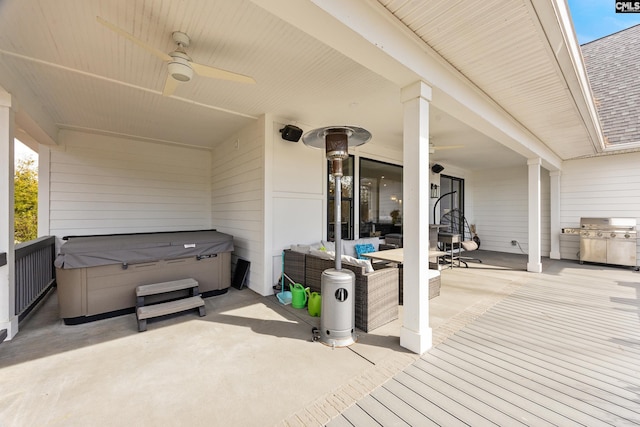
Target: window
{"points": [[380, 198], [347, 201]]}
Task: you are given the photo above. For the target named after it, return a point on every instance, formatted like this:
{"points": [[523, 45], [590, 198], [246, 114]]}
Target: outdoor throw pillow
{"points": [[364, 249], [368, 268]]}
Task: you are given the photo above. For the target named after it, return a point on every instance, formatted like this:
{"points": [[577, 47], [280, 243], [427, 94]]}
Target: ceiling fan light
{"points": [[180, 69]]}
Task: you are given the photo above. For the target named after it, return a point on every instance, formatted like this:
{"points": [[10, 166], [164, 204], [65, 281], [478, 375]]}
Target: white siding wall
{"points": [[237, 197], [500, 208], [297, 191], [103, 184], [296, 187], [607, 186]]}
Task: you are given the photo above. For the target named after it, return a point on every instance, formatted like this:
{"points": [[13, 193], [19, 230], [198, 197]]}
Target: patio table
{"points": [[396, 256]]}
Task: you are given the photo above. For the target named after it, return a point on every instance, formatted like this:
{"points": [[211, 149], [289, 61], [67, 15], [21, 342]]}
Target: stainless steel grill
{"points": [[607, 240]]}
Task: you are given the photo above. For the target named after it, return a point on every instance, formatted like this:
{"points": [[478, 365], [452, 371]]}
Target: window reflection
{"points": [[380, 198]]}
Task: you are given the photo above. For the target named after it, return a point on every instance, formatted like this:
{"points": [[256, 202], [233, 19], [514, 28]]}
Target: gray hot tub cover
{"points": [[92, 251]]}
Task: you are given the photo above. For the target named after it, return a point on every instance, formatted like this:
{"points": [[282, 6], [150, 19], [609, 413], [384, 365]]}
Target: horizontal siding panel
{"points": [[141, 208], [606, 186], [248, 205], [127, 178], [234, 163], [501, 209], [141, 195], [100, 147], [101, 184], [239, 215], [256, 185], [251, 179], [103, 164], [134, 224], [72, 191], [78, 215], [237, 198], [244, 196]]}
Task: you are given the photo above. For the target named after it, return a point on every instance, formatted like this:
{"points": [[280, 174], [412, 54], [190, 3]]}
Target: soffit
{"points": [[504, 51]]}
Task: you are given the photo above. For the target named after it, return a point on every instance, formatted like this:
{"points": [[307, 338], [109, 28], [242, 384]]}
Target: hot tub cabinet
{"points": [[97, 275]]}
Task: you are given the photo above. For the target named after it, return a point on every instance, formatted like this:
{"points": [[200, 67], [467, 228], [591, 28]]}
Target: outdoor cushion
{"points": [[322, 254], [349, 247], [469, 245], [304, 249], [330, 246], [368, 268], [364, 248]]}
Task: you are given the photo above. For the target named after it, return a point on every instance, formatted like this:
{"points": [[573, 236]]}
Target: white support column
{"points": [[416, 335], [535, 263], [8, 318], [554, 184]]}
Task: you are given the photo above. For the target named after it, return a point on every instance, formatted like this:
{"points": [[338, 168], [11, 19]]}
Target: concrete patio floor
{"points": [[249, 362]]}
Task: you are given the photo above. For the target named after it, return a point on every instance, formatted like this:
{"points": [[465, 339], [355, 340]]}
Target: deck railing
{"points": [[35, 273]]}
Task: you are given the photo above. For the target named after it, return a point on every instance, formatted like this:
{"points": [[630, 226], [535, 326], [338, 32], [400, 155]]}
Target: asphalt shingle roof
{"points": [[613, 67]]}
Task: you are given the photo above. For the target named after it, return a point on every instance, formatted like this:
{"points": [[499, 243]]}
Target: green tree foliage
{"points": [[26, 200]]}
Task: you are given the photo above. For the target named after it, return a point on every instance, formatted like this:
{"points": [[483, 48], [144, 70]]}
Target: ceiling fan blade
{"points": [[153, 50], [170, 86], [218, 73]]}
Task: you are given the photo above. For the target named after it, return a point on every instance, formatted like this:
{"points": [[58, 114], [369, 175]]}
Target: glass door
{"points": [[452, 197]]}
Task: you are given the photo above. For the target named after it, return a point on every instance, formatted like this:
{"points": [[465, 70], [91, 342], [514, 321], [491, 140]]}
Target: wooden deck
{"points": [[563, 349]]}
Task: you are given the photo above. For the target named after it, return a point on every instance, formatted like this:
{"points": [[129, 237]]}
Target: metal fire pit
{"points": [[607, 240]]}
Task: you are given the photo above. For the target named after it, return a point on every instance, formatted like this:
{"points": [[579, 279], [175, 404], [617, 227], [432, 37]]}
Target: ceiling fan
{"points": [[180, 65]]}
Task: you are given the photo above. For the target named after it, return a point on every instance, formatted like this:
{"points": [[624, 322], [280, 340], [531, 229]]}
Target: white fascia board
{"points": [[555, 22], [458, 96], [372, 37]]}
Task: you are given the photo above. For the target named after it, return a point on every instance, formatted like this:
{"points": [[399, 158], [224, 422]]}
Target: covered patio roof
{"points": [[508, 82]]}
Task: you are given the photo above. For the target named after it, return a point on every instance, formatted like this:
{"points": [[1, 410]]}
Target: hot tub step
{"points": [[170, 307], [144, 312], [163, 287]]}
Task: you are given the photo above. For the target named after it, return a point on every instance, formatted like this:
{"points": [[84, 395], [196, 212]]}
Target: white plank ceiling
{"points": [[61, 64]]}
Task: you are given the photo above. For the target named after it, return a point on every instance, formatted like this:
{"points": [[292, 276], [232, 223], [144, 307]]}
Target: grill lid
{"points": [[625, 224]]}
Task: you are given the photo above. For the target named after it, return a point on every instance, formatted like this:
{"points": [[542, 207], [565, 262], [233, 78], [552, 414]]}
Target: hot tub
{"points": [[97, 275]]}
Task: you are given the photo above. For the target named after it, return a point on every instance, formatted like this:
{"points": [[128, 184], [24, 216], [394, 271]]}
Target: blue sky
{"points": [[594, 19]]}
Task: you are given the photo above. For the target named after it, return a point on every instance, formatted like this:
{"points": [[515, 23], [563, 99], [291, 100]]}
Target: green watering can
{"points": [[298, 295], [315, 303]]}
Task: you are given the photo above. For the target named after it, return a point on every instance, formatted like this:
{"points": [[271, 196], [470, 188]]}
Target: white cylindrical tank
{"points": [[337, 321]]}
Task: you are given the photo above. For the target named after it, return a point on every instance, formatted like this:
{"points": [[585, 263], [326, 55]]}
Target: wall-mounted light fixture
{"points": [[435, 191]]}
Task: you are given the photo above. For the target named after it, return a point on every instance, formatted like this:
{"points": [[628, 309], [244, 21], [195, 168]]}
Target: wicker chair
{"points": [[376, 297], [434, 282], [434, 286], [294, 265]]}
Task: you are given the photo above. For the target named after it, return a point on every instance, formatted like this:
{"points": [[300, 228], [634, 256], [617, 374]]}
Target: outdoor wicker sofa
{"points": [[376, 299], [295, 268]]}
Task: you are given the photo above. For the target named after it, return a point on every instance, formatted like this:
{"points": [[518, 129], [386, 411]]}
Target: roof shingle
{"points": [[613, 67]]}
